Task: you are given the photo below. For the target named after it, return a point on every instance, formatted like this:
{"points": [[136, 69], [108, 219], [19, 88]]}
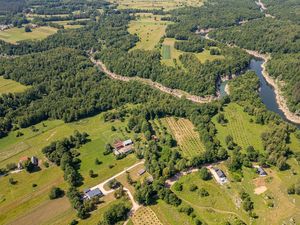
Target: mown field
{"points": [[10, 86], [21, 199], [184, 132], [149, 28], [244, 132], [14, 35], [174, 54], [155, 4]]}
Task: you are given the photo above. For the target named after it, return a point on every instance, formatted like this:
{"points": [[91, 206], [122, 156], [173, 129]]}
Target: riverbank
{"points": [[281, 101]]}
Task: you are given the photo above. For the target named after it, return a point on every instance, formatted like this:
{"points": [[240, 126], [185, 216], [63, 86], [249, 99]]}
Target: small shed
{"points": [[141, 172], [34, 160], [261, 172]]}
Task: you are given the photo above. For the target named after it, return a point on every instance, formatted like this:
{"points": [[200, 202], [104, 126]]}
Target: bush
{"points": [[186, 209], [193, 187], [291, 190], [204, 174], [113, 184], [115, 214], [97, 161], [74, 222], [56, 192], [46, 164], [203, 192], [178, 186], [34, 185], [12, 181]]}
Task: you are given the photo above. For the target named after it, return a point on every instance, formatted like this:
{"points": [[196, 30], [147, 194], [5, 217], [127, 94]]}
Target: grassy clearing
{"points": [[14, 35], [145, 216], [10, 86], [155, 4], [67, 26], [219, 204], [244, 132], [149, 29], [174, 54], [20, 199], [184, 132]]}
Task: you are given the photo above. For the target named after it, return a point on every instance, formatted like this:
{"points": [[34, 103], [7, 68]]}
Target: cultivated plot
{"points": [[186, 136], [145, 216]]}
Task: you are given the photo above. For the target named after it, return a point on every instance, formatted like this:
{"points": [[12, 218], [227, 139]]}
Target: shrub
{"points": [[46, 164], [186, 209], [34, 185], [203, 192], [56, 192], [178, 186], [193, 187], [204, 174], [12, 181]]}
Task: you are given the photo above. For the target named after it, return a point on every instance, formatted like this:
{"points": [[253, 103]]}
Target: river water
{"points": [[267, 93]]}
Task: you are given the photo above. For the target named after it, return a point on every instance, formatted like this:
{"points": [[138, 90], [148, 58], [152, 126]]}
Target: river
{"points": [[267, 93]]}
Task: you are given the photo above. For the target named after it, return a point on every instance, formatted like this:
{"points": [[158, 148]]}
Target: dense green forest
{"points": [[264, 35], [288, 9], [286, 68]]}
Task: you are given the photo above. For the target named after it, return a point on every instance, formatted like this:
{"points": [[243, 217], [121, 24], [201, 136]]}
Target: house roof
{"points": [[261, 171], [128, 142], [93, 193], [219, 172]]}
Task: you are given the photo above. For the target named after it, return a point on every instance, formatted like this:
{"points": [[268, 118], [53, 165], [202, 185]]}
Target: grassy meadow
{"points": [[21, 199], [184, 133], [155, 4], [149, 28], [14, 35], [170, 53], [10, 86]]}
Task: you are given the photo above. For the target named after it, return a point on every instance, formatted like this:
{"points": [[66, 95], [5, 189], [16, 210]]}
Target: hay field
{"points": [[14, 35], [149, 28], [10, 86]]}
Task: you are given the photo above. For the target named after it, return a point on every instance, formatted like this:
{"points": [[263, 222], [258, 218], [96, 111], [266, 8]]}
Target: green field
{"points": [[166, 52], [149, 28], [67, 26], [10, 86], [14, 35], [174, 54], [21, 199], [244, 132]]}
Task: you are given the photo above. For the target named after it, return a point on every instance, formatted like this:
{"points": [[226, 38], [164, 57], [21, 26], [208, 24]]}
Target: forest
{"points": [[286, 68], [263, 35]]}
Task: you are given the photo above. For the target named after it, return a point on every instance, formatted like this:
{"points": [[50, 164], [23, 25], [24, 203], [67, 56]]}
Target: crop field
{"points": [[149, 29], [145, 216], [10, 86], [14, 35], [244, 132], [20, 199], [155, 4], [184, 133], [174, 54]]}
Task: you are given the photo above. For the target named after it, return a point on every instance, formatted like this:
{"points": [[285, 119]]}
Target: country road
{"points": [[175, 92]]}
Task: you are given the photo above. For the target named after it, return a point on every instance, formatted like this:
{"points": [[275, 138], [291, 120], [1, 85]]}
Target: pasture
{"points": [[166, 52], [10, 86], [184, 132], [14, 35], [20, 199], [244, 132], [155, 4], [174, 54], [145, 216], [149, 28]]}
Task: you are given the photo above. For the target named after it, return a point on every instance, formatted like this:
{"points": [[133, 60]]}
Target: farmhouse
{"points": [[34, 160], [89, 194], [121, 148], [261, 172], [219, 175]]}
